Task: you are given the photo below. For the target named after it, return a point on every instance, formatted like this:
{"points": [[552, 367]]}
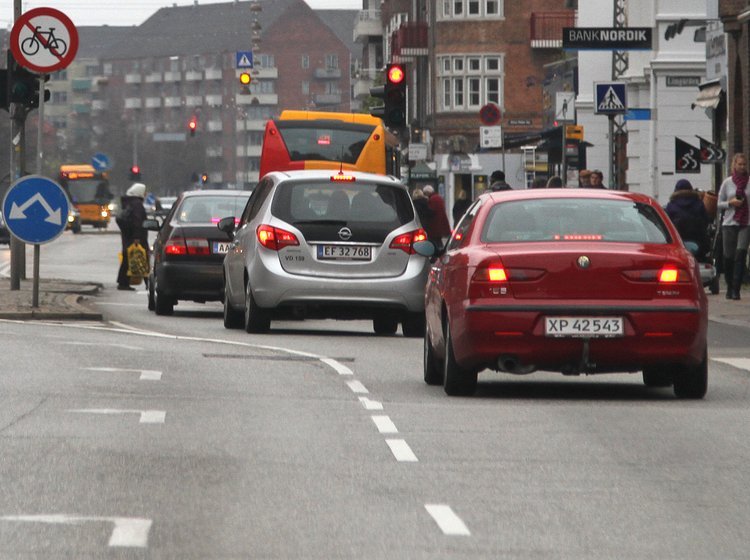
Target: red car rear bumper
{"points": [[654, 334]]}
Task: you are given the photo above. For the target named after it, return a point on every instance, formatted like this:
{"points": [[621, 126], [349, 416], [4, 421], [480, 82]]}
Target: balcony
{"points": [[214, 151], [172, 76], [408, 41], [81, 108], [193, 76], [251, 150], [251, 125], [213, 74], [257, 99], [368, 25], [81, 84], [98, 105], [133, 103], [324, 99], [214, 100], [133, 79], [546, 28], [214, 126], [172, 101], [327, 73], [194, 100], [154, 78], [153, 102]]}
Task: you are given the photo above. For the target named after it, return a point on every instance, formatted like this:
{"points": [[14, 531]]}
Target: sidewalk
{"points": [[58, 300]]}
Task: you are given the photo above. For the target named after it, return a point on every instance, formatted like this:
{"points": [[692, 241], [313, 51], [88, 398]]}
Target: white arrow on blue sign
{"points": [[36, 209], [100, 162]]}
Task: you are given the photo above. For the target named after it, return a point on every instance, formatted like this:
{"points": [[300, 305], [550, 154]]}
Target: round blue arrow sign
{"points": [[100, 162], [36, 209]]}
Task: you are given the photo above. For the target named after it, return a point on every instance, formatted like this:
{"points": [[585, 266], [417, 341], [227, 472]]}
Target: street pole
{"points": [[17, 165], [39, 158]]}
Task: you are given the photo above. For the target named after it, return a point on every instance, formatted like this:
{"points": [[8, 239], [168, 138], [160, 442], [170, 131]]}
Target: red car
{"points": [[577, 281]]}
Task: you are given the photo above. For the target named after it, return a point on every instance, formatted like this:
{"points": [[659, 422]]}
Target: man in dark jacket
{"points": [[130, 221], [688, 213], [497, 182]]}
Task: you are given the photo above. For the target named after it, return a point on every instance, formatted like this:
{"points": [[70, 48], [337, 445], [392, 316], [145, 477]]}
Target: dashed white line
{"points": [[385, 425], [401, 451], [146, 374], [340, 368], [447, 520], [127, 531], [370, 404], [147, 416], [357, 387], [740, 363]]}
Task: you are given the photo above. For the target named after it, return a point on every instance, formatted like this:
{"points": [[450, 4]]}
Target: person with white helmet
{"points": [[130, 221]]}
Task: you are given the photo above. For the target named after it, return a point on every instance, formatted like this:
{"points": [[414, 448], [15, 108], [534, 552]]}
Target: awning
{"points": [[709, 95]]}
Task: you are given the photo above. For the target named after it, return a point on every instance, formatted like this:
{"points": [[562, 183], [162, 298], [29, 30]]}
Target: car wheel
{"points": [[76, 229], [384, 325], [692, 382], [457, 381], [433, 373], [151, 298], [413, 325], [233, 319], [657, 377], [257, 320], [162, 304]]}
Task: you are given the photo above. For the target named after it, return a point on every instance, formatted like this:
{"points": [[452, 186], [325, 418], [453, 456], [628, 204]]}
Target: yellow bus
{"points": [[320, 140], [88, 191]]}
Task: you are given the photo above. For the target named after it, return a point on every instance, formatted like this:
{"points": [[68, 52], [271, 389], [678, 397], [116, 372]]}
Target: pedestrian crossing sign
{"points": [[611, 98]]}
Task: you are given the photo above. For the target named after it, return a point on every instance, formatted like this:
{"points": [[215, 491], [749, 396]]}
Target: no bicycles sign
{"points": [[44, 40]]}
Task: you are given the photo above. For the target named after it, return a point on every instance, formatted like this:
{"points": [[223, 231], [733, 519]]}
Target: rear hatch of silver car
{"points": [[346, 229]]}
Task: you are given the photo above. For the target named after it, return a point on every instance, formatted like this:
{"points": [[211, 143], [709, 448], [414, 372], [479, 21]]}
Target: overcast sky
{"points": [[129, 12]]}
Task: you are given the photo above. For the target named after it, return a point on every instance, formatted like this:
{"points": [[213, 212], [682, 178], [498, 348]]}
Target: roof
{"points": [[341, 22], [93, 40]]}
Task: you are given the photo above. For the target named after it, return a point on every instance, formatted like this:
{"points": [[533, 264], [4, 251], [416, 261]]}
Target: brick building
{"points": [[735, 15]]}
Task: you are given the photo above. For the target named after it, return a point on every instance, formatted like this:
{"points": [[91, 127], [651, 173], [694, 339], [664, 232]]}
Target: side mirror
{"points": [[692, 246], [227, 226], [425, 248], [152, 224]]}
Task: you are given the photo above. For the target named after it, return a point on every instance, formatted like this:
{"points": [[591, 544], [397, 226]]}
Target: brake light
{"points": [[191, 246], [577, 237], [493, 273], [406, 241], [341, 178], [175, 246], [197, 247], [275, 238], [668, 274]]}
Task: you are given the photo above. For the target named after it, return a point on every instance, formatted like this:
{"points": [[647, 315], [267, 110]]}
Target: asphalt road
{"points": [[172, 437]]}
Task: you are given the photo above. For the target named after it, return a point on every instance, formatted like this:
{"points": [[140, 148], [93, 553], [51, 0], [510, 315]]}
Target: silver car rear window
{"points": [[577, 219], [343, 202]]}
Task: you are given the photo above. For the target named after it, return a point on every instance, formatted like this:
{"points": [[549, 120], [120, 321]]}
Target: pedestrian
{"points": [[539, 183], [555, 182], [734, 226], [460, 206], [497, 181], [584, 178], [438, 228], [688, 214], [130, 221], [420, 205], [597, 180]]}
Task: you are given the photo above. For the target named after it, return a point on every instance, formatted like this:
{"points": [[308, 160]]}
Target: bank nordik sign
{"points": [[607, 38]]}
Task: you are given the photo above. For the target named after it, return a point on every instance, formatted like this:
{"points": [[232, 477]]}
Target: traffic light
{"points": [[245, 81], [135, 173], [204, 178], [22, 86], [193, 125], [4, 102], [393, 94]]}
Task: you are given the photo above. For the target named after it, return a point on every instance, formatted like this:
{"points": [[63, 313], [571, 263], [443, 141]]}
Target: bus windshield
{"points": [[311, 140], [88, 191]]}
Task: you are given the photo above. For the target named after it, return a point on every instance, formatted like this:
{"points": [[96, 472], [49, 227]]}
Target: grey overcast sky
{"points": [[130, 12]]}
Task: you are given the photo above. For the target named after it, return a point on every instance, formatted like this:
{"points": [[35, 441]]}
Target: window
{"points": [[305, 61], [265, 61], [470, 81], [332, 61], [305, 88], [474, 9]]}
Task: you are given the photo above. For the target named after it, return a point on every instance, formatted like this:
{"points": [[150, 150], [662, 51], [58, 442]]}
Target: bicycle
{"points": [[47, 39]]}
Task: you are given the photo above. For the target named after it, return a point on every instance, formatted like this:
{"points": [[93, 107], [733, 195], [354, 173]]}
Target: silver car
{"points": [[325, 244]]}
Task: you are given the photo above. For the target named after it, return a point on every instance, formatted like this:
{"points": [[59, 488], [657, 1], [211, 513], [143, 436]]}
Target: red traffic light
{"points": [[135, 170], [395, 74]]}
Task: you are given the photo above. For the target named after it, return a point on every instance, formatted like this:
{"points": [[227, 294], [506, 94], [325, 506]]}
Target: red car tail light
{"points": [[406, 241], [197, 247], [668, 274], [275, 238], [175, 246]]}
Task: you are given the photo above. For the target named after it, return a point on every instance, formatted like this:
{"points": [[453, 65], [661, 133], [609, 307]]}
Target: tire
{"points": [[151, 297], [692, 382], [413, 325], [385, 325], [433, 369], [76, 229], [657, 377], [162, 304], [457, 381], [233, 319], [257, 320]]}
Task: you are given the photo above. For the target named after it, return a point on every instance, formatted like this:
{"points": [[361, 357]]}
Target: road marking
{"points": [[147, 416], [370, 405], [130, 532], [740, 363], [447, 520], [340, 368], [77, 343], [385, 425], [357, 387], [401, 451], [146, 374]]}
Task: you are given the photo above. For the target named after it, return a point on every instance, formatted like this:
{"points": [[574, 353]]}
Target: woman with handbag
{"points": [[130, 221], [734, 227]]}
